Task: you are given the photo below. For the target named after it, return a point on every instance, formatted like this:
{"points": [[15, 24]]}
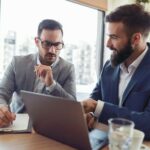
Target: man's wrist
{"points": [[49, 82], [51, 87]]}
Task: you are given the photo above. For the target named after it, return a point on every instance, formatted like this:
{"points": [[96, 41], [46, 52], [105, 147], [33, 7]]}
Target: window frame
{"points": [[100, 33], [96, 4], [101, 6]]}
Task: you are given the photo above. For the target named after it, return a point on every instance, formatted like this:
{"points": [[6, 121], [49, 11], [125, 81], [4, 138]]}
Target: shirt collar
{"points": [[135, 63], [52, 65]]}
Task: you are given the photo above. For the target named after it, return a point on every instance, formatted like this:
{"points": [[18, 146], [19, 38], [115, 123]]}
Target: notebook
{"points": [[20, 125], [62, 120]]}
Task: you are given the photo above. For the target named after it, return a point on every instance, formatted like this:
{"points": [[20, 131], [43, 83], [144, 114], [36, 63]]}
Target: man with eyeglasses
{"points": [[43, 72]]}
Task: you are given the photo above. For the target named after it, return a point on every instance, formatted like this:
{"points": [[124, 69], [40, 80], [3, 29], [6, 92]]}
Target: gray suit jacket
{"points": [[20, 75]]}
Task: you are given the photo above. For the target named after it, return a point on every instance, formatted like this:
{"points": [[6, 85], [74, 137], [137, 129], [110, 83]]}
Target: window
{"points": [[19, 22]]}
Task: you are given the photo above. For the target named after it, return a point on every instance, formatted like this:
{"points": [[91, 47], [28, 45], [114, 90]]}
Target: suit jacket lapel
{"points": [[30, 74], [114, 86], [138, 75], [130, 85]]}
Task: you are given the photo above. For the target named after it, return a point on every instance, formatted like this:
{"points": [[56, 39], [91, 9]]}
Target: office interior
{"points": [[84, 33], [84, 37]]}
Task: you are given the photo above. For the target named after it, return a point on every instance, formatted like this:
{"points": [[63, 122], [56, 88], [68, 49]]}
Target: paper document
{"points": [[19, 124]]}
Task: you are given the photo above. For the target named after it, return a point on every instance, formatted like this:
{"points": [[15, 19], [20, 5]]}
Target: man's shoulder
{"points": [[108, 65], [24, 61], [109, 69], [24, 58], [64, 62], [28, 56]]}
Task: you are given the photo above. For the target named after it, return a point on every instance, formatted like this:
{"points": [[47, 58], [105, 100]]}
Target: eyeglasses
{"points": [[47, 44]]}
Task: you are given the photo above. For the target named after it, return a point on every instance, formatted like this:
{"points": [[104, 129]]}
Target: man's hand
{"points": [[45, 74], [90, 119], [6, 117], [89, 105]]}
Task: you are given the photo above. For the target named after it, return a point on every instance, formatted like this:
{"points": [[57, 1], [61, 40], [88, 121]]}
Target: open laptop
{"points": [[62, 120]]}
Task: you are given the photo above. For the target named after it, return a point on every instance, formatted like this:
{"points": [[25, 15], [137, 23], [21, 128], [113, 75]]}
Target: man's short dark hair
{"points": [[50, 25], [133, 16]]}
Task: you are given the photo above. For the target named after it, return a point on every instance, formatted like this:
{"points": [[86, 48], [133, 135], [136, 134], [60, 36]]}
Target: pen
{"points": [[10, 112]]}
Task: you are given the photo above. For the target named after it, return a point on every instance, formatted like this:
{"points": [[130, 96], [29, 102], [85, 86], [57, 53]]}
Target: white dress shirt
{"points": [[125, 77]]}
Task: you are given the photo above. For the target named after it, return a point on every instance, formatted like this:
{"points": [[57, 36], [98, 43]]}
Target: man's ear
{"points": [[136, 37], [36, 40]]}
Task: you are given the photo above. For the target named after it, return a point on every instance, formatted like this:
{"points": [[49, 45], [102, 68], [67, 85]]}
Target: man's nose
{"points": [[52, 49], [108, 43]]}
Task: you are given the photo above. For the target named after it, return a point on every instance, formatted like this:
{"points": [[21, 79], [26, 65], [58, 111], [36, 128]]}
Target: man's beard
{"points": [[119, 57], [48, 59]]}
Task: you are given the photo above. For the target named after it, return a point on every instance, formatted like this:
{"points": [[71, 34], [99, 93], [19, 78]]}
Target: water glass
{"points": [[120, 133]]}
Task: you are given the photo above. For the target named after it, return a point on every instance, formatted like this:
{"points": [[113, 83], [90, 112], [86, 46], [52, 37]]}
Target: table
{"points": [[29, 141], [35, 141]]}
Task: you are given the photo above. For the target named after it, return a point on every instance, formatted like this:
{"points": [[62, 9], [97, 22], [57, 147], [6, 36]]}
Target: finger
{"points": [[91, 123], [5, 115], [43, 72], [83, 104], [87, 106], [88, 117], [3, 124], [13, 116], [4, 120], [90, 120], [7, 112], [37, 70]]}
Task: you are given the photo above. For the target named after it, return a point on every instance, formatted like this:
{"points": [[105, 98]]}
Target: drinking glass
{"points": [[120, 133]]}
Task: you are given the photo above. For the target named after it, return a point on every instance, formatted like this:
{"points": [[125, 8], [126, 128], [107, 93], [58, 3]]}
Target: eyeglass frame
{"points": [[50, 44]]}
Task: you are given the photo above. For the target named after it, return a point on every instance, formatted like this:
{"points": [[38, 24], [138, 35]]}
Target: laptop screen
{"points": [[58, 118]]}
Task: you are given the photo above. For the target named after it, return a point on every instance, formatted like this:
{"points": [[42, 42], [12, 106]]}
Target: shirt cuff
{"points": [[51, 87], [99, 108]]}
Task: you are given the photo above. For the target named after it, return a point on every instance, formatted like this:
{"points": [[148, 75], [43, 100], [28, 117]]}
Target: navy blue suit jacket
{"points": [[136, 98]]}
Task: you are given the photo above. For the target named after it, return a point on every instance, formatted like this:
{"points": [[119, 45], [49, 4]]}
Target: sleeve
{"points": [[7, 84], [97, 91], [141, 119], [99, 108]]}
